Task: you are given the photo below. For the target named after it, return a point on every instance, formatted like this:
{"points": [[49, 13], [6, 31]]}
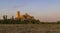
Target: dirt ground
{"points": [[29, 28]]}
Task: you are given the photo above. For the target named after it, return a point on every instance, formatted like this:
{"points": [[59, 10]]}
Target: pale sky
{"points": [[44, 10]]}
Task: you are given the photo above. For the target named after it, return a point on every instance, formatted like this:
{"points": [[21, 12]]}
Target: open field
{"points": [[29, 28]]}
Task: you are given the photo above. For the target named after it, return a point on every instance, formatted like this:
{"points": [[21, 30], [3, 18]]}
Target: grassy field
{"points": [[29, 28]]}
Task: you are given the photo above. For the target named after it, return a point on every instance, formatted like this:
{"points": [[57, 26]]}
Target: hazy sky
{"points": [[45, 10]]}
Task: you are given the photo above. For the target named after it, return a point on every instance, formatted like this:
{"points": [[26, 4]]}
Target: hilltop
{"points": [[19, 19]]}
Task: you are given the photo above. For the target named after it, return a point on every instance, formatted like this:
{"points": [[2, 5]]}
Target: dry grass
{"points": [[29, 28]]}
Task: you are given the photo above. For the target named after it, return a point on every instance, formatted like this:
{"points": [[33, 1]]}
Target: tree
{"points": [[58, 22], [5, 17]]}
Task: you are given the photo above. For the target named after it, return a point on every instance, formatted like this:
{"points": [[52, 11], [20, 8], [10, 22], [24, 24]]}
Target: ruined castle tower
{"points": [[22, 17], [18, 15]]}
